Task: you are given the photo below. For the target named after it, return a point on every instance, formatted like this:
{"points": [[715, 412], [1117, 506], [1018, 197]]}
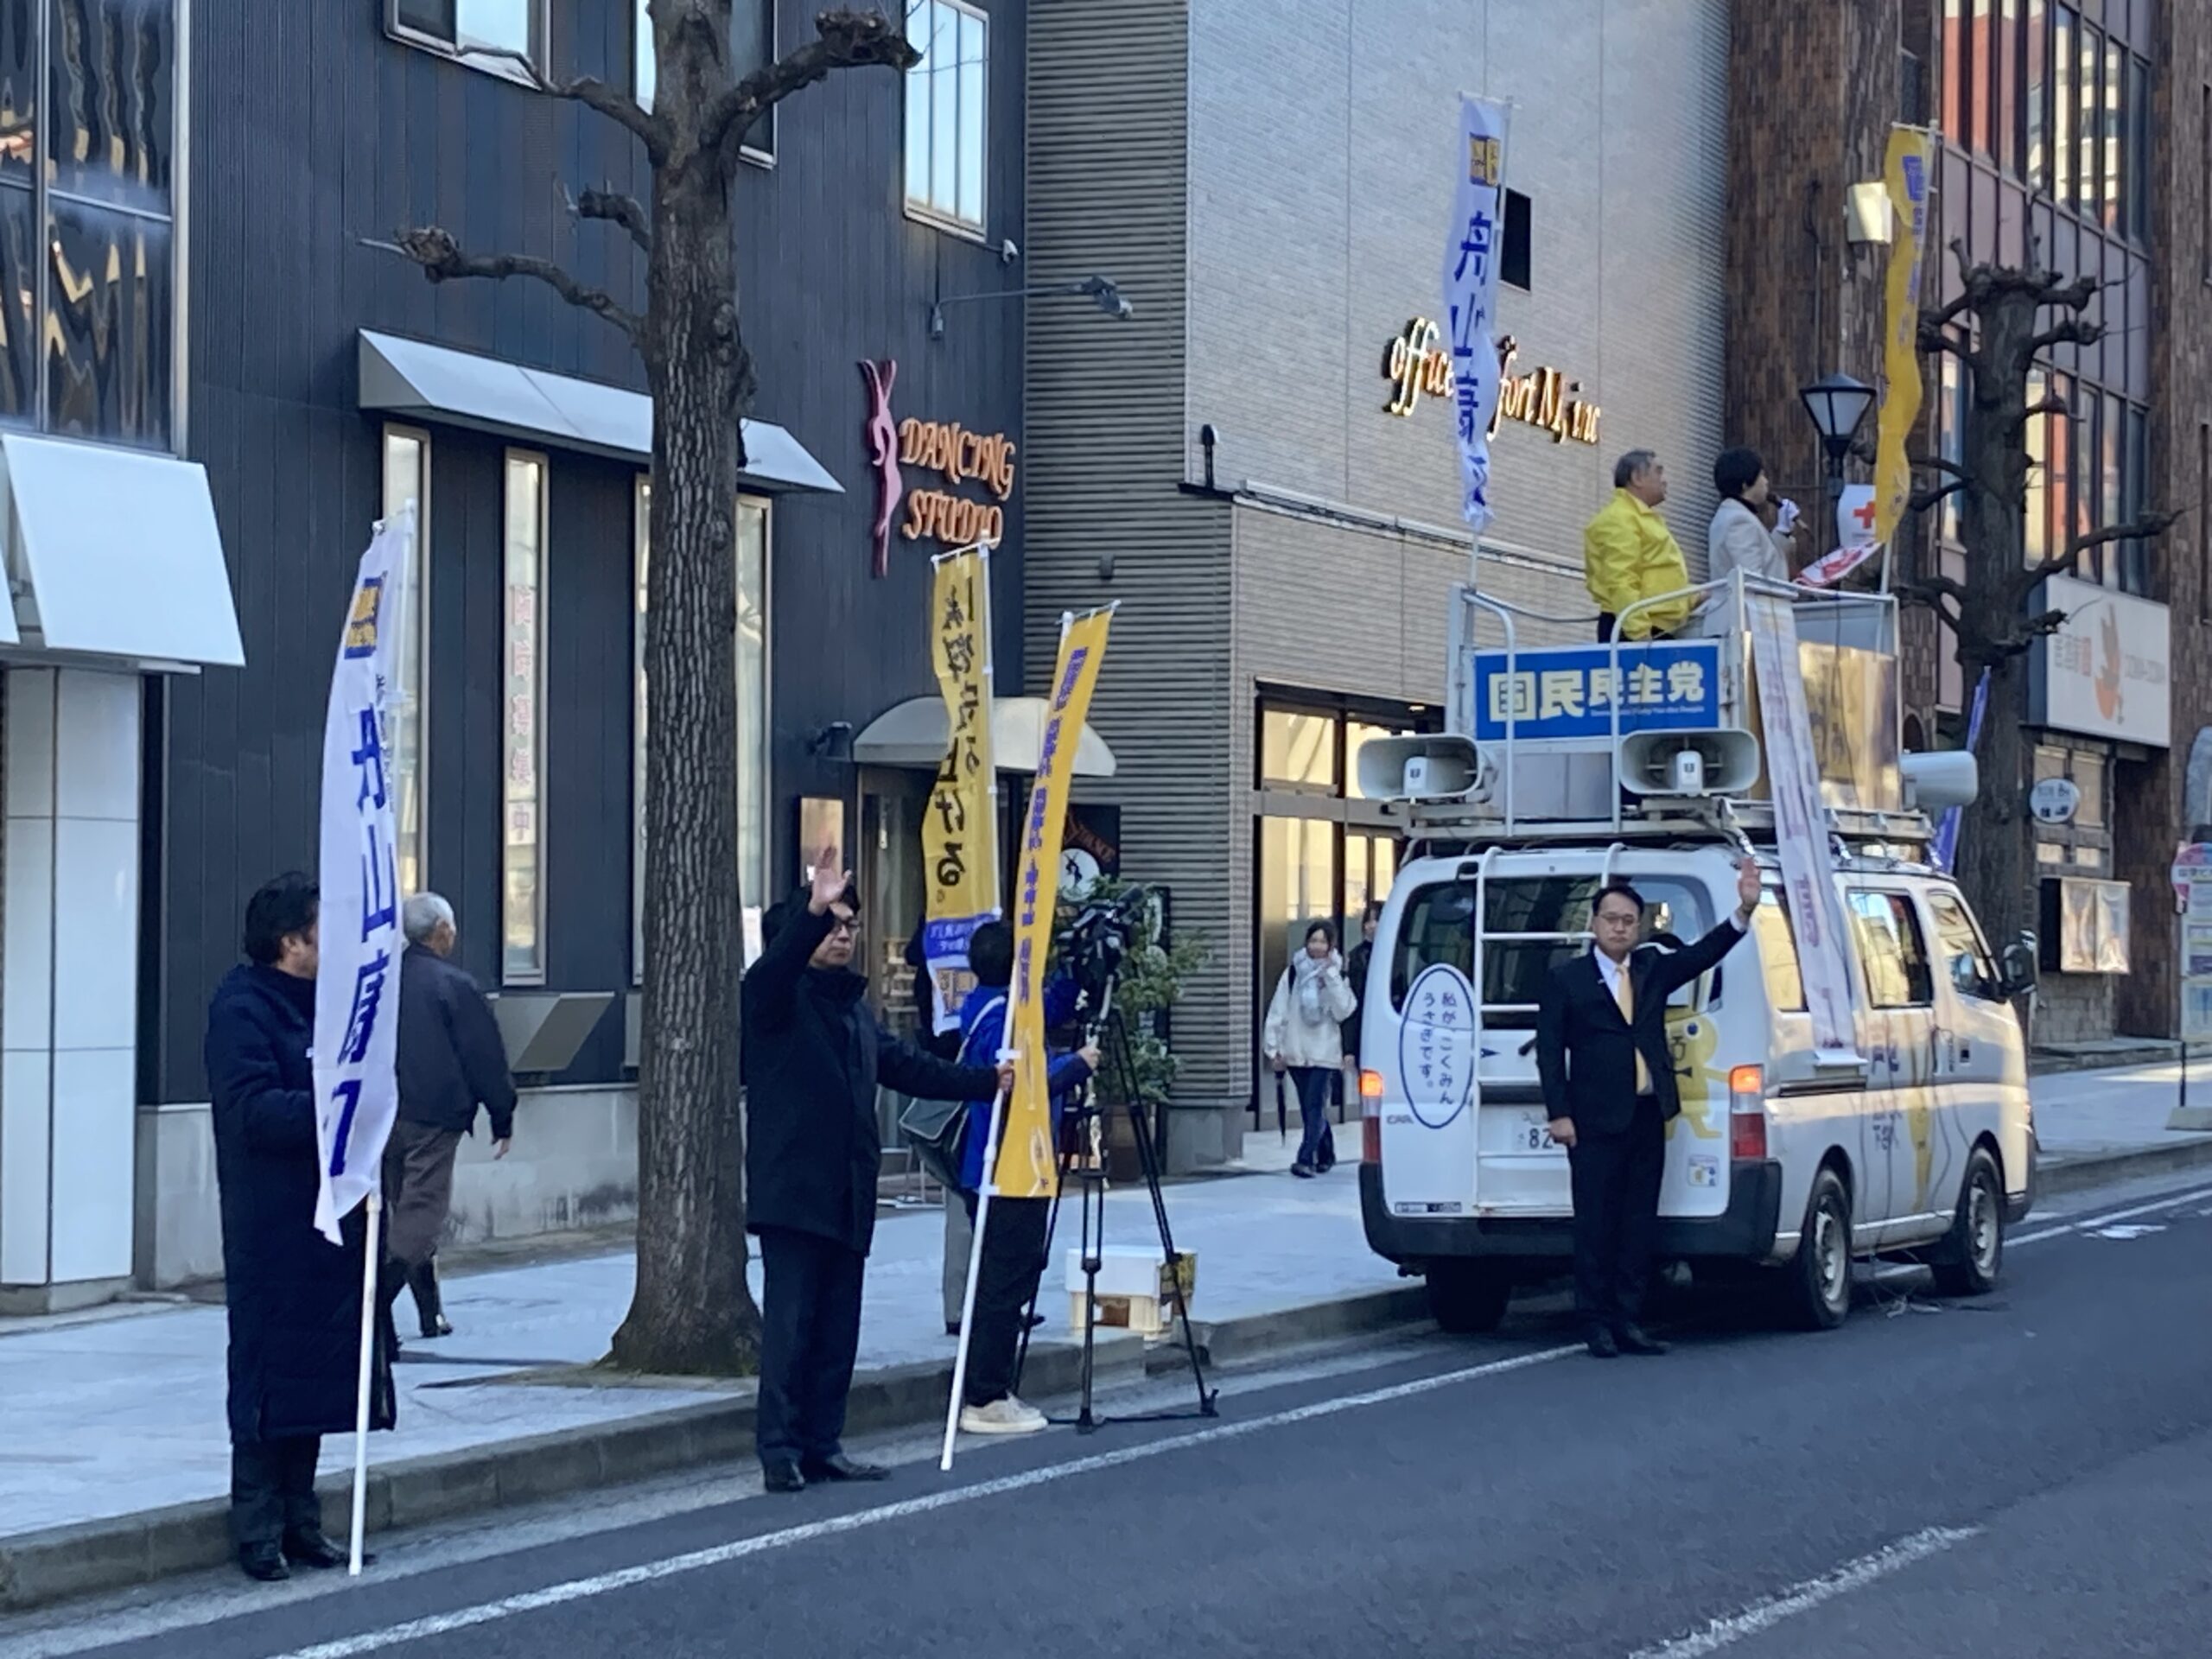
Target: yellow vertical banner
{"points": [[1026, 1166], [1902, 389], [960, 840]]}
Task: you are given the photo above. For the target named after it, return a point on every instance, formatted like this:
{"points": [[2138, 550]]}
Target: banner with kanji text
{"points": [[960, 842]]}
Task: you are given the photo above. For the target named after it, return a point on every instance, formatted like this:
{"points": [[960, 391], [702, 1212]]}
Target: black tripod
{"points": [[1082, 1137]]}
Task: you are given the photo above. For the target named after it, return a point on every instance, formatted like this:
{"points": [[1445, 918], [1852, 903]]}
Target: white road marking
{"points": [[2130, 1230], [555, 1595], [2083, 1224], [1802, 1597]]}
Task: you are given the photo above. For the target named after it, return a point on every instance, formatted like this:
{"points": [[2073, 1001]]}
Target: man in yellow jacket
{"points": [[1629, 554]]}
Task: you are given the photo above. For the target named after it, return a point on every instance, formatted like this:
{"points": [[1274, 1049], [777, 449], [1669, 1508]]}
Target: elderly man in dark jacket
{"points": [[295, 1298], [452, 1062], [813, 1055]]}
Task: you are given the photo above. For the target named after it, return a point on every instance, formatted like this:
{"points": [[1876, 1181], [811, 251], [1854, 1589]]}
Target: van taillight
{"points": [[1747, 1112], [1371, 1117]]}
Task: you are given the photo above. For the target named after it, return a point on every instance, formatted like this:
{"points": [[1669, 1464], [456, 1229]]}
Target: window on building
{"points": [[1297, 750], [2007, 55], [1898, 973], [2135, 555], [2063, 31], [2139, 149], [2038, 528], [2036, 96], [407, 482], [2117, 161], [2112, 482], [946, 129], [1980, 69], [1950, 436], [1957, 67], [485, 34], [88, 320], [522, 641], [752, 45], [2087, 769], [751, 552], [2089, 173], [1515, 262]]}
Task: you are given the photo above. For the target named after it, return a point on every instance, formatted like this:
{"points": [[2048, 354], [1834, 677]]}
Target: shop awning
{"points": [[114, 553], [915, 732], [436, 383]]}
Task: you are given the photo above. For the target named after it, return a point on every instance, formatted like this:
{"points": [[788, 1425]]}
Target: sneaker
{"points": [[1007, 1416]]}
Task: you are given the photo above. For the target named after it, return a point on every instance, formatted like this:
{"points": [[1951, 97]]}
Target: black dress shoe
{"points": [[312, 1550], [1633, 1339], [1602, 1345], [265, 1562], [437, 1327], [782, 1477], [841, 1467]]}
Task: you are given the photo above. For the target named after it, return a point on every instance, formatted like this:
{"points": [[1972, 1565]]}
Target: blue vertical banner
{"points": [[357, 982], [1471, 255], [1947, 832]]}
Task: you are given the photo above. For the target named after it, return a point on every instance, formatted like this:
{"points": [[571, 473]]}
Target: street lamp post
{"points": [[1838, 404]]}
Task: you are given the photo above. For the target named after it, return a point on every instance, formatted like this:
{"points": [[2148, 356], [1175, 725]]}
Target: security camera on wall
{"points": [[1008, 252]]}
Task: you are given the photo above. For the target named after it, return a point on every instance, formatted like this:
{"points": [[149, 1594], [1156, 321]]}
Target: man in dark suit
{"points": [[1609, 1088]]}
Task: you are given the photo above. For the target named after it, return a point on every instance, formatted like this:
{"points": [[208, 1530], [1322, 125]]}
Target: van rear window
{"points": [[1437, 925]]}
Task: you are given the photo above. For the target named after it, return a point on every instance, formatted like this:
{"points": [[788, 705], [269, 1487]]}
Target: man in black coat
{"points": [[294, 1297], [1610, 1090], [813, 1055], [451, 1063]]}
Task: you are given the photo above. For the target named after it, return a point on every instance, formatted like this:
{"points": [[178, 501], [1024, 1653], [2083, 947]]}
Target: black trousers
{"points": [[810, 1337], [272, 1491], [1616, 1215], [1013, 1262]]}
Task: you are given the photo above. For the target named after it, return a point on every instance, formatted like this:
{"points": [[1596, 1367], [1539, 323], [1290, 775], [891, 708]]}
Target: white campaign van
{"points": [[1911, 1135]]}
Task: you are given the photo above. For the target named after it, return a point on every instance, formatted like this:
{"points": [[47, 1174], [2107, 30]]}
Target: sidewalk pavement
{"points": [[115, 1431]]}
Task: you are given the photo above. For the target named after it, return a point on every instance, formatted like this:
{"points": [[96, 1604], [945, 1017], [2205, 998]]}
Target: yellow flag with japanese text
{"points": [[1902, 389], [1027, 1167], [960, 842]]}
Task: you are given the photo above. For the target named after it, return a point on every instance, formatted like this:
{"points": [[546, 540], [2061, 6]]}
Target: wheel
{"points": [[1467, 1298], [1973, 1253], [1818, 1284]]}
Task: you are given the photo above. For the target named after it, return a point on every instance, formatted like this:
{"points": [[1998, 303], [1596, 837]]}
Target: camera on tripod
{"points": [[1097, 941]]}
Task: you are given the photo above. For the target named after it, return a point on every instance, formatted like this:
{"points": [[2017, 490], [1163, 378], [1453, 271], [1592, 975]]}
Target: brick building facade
{"points": [[2076, 134]]}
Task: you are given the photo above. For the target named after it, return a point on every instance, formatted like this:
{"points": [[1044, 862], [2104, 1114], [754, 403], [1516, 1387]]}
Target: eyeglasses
{"points": [[844, 924]]}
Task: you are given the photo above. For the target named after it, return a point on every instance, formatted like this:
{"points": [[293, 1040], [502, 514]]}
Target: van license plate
{"points": [[1536, 1134]]}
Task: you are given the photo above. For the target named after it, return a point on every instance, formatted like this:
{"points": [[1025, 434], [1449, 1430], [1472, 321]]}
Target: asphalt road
{"points": [[2028, 1475]]}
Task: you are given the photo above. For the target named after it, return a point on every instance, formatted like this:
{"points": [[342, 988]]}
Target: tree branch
{"points": [[2072, 331], [1941, 464], [2148, 527], [1924, 499], [442, 261], [616, 209], [844, 39], [594, 94]]}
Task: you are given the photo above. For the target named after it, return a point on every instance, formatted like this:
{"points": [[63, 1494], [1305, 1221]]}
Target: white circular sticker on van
{"points": [[1436, 1046]]}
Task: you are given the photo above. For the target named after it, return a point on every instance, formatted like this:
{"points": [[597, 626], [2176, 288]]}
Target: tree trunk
{"points": [[692, 1313], [1993, 854]]}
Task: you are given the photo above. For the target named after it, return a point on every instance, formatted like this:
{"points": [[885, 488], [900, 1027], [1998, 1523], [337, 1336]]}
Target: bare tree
{"points": [[2002, 321], [691, 1312]]}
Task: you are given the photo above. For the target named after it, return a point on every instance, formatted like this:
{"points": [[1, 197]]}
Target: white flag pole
{"points": [[975, 1271], [369, 1277]]}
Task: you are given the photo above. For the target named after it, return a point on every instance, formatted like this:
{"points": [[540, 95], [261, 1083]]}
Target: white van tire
{"points": [[1818, 1294], [1972, 1257], [1467, 1298]]}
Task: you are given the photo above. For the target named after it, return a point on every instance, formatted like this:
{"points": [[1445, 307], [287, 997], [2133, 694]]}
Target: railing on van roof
{"points": [[1548, 739]]}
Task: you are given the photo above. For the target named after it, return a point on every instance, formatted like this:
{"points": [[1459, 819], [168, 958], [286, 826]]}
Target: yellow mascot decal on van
{"points": [[1693, 1040]]}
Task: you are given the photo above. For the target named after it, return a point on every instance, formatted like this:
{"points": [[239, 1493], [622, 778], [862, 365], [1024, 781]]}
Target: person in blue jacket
{"points": [[1014, 1232]]}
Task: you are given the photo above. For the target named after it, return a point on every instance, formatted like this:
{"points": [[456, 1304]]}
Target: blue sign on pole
{"points": [[1569, 692]]}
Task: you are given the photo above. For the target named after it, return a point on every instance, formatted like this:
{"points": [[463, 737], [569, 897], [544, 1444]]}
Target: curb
{"points": [[38, 1569], [2056, 1177]]}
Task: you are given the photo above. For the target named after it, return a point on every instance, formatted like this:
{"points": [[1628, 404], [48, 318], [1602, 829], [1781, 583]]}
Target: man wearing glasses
{"points": [[813, 1055], [1608, 1088]]}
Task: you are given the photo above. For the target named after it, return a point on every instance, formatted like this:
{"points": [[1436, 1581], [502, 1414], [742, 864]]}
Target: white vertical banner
{"points": [[357, 985], [1800, 827], [1471, 255]]}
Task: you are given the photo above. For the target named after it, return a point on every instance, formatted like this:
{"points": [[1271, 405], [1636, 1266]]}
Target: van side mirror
{"points": [[2020, 963]]}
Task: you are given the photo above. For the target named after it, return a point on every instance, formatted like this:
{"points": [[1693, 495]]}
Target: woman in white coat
{"points": [[1305, 1033], [1752, 532]]}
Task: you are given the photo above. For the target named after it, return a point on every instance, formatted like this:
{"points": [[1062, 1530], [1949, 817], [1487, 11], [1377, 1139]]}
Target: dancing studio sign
{"points": [[1417, 364], [947, 449]]}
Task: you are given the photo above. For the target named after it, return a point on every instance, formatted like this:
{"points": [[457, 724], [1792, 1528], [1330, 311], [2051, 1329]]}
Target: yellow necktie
{"points": [[1625, 996]]}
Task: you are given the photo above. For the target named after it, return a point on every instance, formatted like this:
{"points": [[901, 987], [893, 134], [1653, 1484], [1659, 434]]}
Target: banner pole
{"points": [[975, 1271], [369, 1278]]}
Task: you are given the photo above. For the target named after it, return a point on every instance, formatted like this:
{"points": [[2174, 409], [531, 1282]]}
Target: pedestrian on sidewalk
{"points": [[1609, 1085], [1356, 967], [1304, 1034], [292, 1298], [452, 1064], [812, 1058], [1013, 1229]]}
